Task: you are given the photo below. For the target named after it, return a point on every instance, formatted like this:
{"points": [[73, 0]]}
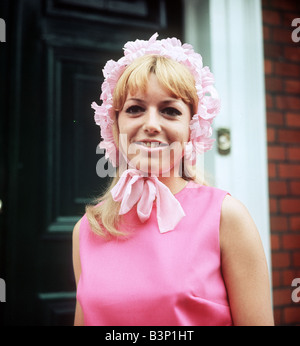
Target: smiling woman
{"points": [[153, 101], [169, 79], [160, 248], [154, 125]]}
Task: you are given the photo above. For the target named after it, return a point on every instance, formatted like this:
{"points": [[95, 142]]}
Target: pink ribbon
{"points": [[133, 188]]}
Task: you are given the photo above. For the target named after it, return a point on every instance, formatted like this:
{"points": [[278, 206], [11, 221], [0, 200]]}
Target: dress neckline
{"points": [[190, 184]]}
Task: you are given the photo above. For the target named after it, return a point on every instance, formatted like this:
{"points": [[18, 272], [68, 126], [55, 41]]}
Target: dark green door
{"points": [[50, 74]]}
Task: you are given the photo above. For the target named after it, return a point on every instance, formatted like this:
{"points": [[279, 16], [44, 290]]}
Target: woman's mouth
{"points": [[151, 144]]}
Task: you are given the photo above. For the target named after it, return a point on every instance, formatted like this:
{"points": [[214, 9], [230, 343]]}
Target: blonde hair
{"points": [[178, 81], [175, 78]]}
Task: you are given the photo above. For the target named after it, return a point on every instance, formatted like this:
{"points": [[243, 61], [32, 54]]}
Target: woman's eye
{"points": [[171, 111], [135, 110]]}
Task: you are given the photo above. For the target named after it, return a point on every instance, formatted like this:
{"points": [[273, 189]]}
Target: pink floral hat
{"points": [[208, 106]]}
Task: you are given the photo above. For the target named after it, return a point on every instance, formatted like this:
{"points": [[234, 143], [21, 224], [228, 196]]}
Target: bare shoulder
{"points": [[244, 266], [234, 210], [236, 223], [79, 318], [76, 230], [76, 252]]}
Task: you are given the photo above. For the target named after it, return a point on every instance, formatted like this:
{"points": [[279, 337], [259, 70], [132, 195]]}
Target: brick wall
{"points": [[282, 78]]}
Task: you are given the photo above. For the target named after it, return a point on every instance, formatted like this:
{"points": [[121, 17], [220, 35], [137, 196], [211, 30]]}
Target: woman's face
{"points": [[153, 129]]}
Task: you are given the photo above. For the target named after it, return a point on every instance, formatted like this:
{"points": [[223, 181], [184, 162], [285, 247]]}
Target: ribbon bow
{"points": [[134, 188]]}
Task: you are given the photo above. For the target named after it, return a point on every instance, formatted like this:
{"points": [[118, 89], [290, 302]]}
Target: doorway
{"points": [[52, 61]]}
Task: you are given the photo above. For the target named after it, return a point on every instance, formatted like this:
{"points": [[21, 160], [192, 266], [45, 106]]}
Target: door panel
{"points": [[58, 49]]}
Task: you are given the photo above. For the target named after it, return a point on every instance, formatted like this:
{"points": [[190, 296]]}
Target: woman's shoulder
{"points": [[233, 210], [236, 224], [82, 223], [76, 229]]}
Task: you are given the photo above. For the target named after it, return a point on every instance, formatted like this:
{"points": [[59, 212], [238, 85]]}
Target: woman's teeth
{"points": [[152, 144]]}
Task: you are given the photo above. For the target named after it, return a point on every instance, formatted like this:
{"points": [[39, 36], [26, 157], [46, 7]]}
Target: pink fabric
{"points": [[153, 278], [133, 188]]}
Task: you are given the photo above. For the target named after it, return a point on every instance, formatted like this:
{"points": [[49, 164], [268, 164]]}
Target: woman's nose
{"points": [[152, 122]]}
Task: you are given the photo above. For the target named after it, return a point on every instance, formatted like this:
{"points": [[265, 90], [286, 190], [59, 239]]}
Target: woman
{"points": [[161, 247]]}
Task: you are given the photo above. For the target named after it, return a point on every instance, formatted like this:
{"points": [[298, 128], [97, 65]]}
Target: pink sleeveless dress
{"points": [[150, 278]]}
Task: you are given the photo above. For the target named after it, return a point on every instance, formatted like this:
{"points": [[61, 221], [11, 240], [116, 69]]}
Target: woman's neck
{"points": [[175, 184]]}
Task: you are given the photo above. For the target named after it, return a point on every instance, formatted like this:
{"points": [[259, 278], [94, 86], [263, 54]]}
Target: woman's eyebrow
{"points": [[135, 99], [164, 102], [171, 100]]}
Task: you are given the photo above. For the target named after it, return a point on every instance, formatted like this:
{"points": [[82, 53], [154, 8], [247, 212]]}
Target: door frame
{"points": [[229, 36]]}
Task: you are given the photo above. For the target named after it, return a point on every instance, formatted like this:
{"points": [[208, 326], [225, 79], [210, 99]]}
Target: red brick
{"points": [[274, 118], [291, 5], [269, 101], [276, 153], [278, 188], [290, 205], [270, 135], [272, 170], [291, 242], [292, 86], [292, 53], [275, 242], [276, 278], [265, 3], [288, 102], [282, 35], [282, 296], [288, 17], [278, 316], [294, 153], [295, 223], [287, 69], [282, 82], [289, 171], [294, 187], [289, 275], [274, 83], [280, 260], [266, 33], [278, 223], [273, 205], [293, 119], [273, 51], [291, 314], [268, 67], [289, 136], [296, 259], [271, 17]]}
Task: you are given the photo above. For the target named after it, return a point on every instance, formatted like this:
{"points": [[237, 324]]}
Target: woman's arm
{"points": [[78, 321], [244, 266]]}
